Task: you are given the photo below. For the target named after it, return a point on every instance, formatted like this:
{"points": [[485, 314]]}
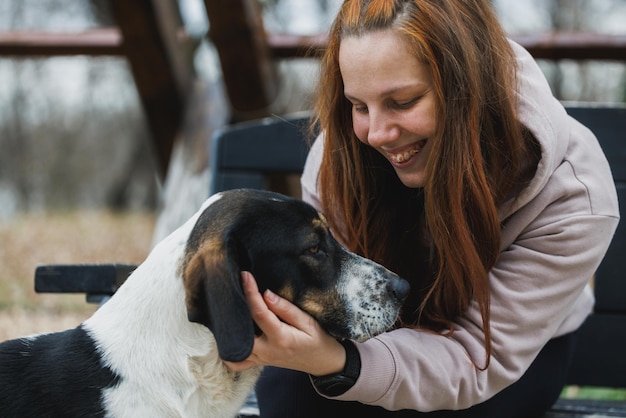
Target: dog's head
{"points": [[287, 246]]}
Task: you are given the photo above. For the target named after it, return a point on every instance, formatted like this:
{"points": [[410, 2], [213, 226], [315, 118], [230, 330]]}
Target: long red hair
{"points": [[445, 237]]}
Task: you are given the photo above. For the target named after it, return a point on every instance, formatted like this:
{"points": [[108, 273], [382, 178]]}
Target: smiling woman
{"points": [[445, 157]]}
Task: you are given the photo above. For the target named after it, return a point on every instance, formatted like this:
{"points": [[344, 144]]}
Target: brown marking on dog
{"points": [[322, 222], [209, 256], [286, 292], [317, 302]]}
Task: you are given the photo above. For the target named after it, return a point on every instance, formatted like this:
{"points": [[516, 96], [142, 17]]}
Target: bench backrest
{"points": [[600, 357], [609, 126], [244, 154]]}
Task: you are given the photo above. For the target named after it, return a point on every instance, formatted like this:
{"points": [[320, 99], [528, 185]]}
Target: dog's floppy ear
{"points": [[215, 298]]}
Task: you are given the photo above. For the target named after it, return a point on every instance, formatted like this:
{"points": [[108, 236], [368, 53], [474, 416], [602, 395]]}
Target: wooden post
{"points": [[236, 30], [160, 59]]}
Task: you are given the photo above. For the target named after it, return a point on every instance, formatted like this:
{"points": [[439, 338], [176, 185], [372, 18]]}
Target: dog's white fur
{"points": [[184, 378]]}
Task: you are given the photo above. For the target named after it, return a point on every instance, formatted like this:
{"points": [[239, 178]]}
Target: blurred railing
{"points": [[549, 45]]}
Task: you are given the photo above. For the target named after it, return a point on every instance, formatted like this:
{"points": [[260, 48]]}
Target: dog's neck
{"points": [[143, 331]]}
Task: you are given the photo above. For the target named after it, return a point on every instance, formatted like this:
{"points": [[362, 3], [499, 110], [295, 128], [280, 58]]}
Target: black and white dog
{"points": [[156, 348]]}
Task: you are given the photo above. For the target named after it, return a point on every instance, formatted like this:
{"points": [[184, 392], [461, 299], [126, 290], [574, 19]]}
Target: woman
{"points": [[444, 157]]}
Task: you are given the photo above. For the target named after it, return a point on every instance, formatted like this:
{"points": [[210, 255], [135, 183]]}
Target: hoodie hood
{"points": [[541, 113]]}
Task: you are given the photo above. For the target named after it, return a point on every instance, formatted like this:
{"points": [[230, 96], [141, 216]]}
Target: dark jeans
{"points": [[289, 394]]}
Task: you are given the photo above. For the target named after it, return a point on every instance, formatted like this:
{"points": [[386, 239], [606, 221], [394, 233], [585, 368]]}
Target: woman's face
{"points": [[393, 100]]}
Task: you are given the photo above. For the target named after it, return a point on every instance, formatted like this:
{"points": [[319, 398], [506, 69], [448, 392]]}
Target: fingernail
{"points": [[271, 296]]}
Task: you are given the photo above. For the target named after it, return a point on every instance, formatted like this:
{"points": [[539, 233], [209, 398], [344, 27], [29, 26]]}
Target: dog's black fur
{"points": [[45, 376]]}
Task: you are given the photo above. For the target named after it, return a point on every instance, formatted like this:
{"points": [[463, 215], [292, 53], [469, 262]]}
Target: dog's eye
{"points": [[314, 250]]}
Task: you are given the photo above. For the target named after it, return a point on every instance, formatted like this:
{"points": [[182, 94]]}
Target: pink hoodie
{"points": [[554, 236]]}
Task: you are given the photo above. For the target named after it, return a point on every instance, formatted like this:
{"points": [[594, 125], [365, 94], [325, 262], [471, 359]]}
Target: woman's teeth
{"points": [[404, 156]]}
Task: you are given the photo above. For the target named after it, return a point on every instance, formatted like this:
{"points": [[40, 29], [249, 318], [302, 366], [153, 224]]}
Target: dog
{"points": [[156, 348]]}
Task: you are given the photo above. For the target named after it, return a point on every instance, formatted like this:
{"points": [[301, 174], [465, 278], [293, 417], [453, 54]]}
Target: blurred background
{"points": [[103, 153]]}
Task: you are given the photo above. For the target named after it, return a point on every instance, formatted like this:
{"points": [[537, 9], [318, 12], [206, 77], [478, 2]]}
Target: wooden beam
{"points": [[108, 41], [296, 46], [104, 41], [236, 30], [551, 45], [161, 84], [180, 47], [574, 46]]}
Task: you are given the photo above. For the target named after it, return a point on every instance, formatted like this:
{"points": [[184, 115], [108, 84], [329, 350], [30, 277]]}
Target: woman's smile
{"points": [[404, 157], [393, 106]]}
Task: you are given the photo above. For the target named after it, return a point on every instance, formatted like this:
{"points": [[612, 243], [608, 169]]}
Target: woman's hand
{"points": [[291, 338]]}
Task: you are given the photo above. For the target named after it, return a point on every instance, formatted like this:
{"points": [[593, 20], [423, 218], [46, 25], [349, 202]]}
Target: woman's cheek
{"points": [[360, 128]]}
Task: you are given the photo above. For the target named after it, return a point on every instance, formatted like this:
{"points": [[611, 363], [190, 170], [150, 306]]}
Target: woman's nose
{"points": [[382, 129]]}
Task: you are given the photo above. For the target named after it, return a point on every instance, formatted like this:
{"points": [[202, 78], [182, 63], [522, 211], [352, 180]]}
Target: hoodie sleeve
{"points": [[534, 287], [308, 181]]}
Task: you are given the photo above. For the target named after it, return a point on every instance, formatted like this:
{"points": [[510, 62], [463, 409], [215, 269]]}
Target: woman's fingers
{"points": [[261, 314], [290, 313], [291, 337], [270, 311]]}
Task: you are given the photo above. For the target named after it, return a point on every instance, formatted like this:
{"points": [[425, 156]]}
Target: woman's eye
{"points": [[406, 104], [359, 109], [315, 251]]}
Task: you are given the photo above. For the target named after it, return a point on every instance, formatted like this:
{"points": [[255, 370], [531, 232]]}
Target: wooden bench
{"points": [[246, 154], [600, 358]]}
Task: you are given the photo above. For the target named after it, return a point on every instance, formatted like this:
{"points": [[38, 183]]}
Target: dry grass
{"points": [[77, 237]]}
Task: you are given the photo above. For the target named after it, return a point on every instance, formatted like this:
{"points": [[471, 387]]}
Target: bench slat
{"points": [[586, 408], [610, 278], [98, 279], [608, 123], [600, 357], [244, 154]]}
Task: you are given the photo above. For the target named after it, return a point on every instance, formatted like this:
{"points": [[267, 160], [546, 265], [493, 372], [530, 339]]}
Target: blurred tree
{"points": [[72, 131]]}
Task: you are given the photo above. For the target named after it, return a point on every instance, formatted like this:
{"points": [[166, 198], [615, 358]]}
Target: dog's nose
{"points": [[399, 288]]}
